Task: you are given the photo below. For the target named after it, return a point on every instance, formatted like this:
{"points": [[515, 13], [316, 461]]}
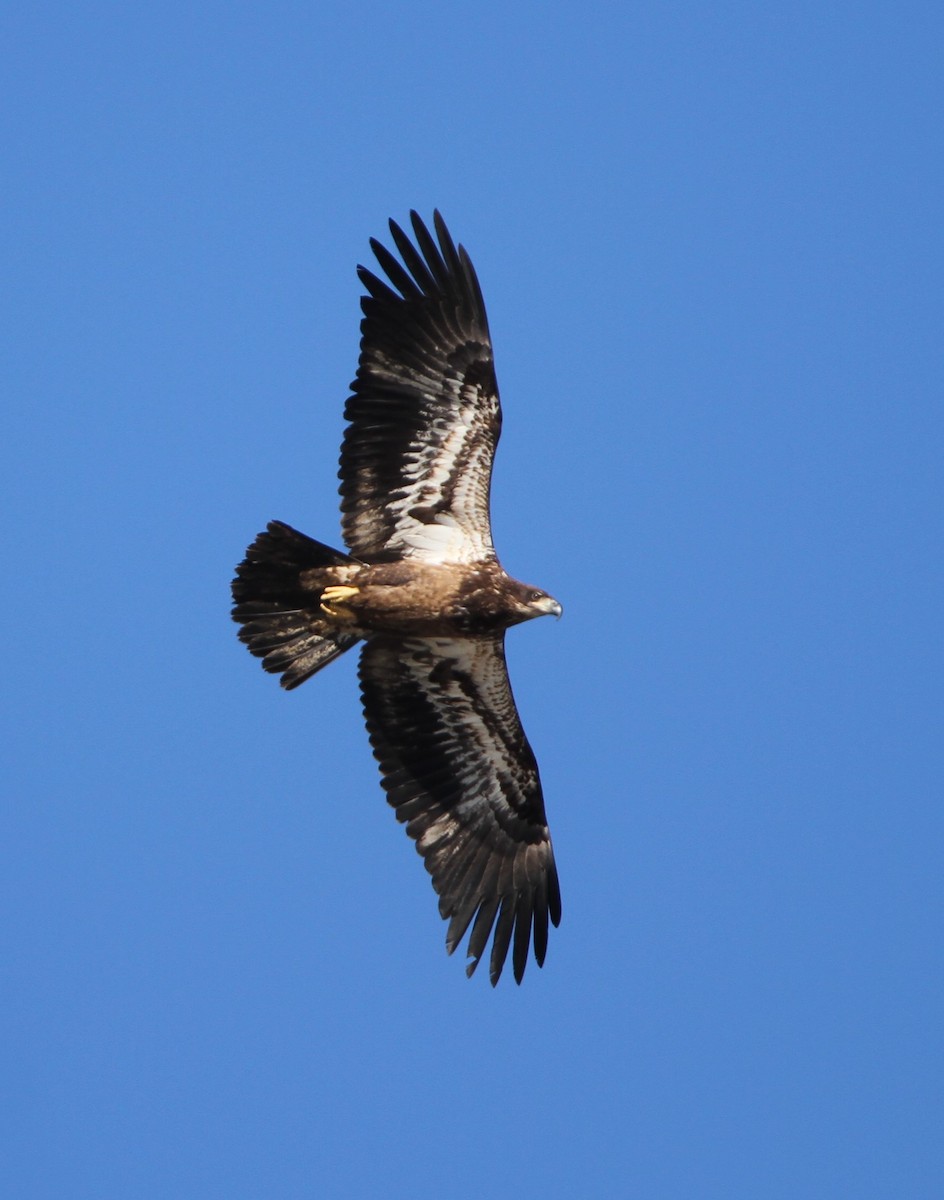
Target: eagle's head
{"points": [[531, 602]]}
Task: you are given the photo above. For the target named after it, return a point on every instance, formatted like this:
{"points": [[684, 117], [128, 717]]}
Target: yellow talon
{"points": [[331, 598]]}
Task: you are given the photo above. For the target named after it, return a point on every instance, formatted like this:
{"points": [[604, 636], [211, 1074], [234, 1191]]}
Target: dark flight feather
{"points": [[458, 770], [416, 460]]}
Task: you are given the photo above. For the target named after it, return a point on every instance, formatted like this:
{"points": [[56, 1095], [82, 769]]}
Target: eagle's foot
{"points": [[332, 599]]}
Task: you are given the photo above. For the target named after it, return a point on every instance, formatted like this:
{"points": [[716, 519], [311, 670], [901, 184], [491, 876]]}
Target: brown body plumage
{"points": [[423, 599]]}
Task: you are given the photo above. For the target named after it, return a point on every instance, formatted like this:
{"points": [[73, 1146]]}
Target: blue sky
{"points": [[709, 238]]}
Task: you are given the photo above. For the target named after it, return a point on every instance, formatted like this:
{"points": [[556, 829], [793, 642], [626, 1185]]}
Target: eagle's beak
{"points": [[548, 605]]}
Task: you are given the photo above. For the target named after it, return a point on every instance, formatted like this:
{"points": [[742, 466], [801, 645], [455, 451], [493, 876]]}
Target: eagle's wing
{"points": [[416, 460], [458, 769]]}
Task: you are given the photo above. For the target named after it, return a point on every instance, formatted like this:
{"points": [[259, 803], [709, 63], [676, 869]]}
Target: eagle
{"points": [[421, 588]]}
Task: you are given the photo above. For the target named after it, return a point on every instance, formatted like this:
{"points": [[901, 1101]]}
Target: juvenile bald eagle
{"points": [[423, 590]]}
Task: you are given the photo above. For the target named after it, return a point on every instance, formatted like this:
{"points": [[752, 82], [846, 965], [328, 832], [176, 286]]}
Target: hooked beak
{"points": [[548, 606]]}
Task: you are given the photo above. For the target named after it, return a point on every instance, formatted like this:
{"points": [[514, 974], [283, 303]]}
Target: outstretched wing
{"points": [[458, 769], [416, 460]]}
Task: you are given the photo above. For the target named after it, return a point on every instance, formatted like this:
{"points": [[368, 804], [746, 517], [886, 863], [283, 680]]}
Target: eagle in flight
{"points": [[422, 588]]}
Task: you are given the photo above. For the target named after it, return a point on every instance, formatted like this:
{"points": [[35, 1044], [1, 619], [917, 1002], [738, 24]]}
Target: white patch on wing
{"points": [[444, 827], [458, 535], [474, 660], [432, 543]]}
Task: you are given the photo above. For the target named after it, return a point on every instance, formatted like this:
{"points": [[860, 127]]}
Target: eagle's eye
{"points": [[535, 595]]}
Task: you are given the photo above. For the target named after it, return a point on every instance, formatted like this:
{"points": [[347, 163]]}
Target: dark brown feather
{"points": [[459, 772]]}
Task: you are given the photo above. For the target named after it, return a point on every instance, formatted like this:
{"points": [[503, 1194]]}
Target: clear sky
{"points": [[709, 237]]}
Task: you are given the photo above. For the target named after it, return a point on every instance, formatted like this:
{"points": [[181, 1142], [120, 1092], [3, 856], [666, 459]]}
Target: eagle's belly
{"points": [[410, 598]]}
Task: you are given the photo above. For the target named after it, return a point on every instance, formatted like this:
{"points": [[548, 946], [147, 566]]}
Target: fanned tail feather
{"points": [[279, 619]]}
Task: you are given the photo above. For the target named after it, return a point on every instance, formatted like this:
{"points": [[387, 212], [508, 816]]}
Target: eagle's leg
{"points": [[332, 600]]}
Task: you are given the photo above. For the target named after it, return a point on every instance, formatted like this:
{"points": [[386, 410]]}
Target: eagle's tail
{"points": [[279, 618]]}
